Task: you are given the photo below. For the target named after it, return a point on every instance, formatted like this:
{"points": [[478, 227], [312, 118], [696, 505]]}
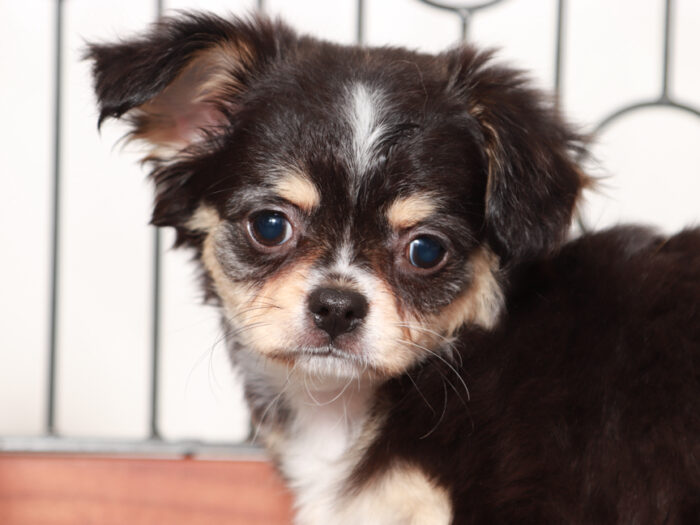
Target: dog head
{"points": [[353, 208]]}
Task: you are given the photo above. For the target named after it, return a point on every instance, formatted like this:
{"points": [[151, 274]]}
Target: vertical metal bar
{"points": [[558, 50], [56, 223], [360, 35], [156, 313], [466, 16], [155, 332], [665, 65], [261, 5], [558, 54]]}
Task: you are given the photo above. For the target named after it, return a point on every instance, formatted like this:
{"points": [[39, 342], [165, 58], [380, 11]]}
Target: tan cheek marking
{"points": [[295, 187], [394, 352], [278, 306], [233, 295], [402, 495], [265, 316], [480, 304], [405, 338], [405, 212]]}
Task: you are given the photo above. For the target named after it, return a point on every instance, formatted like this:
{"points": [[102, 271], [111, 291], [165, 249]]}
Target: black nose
{"points": [[337, 311]]}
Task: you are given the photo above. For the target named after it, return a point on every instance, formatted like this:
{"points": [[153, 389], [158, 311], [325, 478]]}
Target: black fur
{"points": [[584, 401], [532, 172]]}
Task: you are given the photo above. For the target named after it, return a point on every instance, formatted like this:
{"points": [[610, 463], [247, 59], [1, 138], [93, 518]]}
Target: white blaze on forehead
{"points": [[382, 324], [365, 116], [344, 256], [344, 270]]}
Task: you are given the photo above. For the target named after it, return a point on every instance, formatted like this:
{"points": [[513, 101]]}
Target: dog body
{"points": [[383, 232], [582, 405]]}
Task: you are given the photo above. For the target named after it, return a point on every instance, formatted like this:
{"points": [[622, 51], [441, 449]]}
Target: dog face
{"points": [[352, 208]]}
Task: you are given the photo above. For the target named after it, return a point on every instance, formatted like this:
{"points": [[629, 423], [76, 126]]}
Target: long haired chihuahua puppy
{"points": [[384, 234]]}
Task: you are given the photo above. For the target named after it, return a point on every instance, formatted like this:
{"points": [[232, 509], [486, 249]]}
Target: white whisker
{"points": [[424, 330], [420, 393], [444, 411], [452, 368]]}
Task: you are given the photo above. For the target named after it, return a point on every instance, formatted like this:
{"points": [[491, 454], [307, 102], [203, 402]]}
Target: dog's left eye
{"points": [[269, 228], [426, 252]]}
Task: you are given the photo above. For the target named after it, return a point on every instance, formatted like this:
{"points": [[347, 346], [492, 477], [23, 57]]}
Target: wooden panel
{"points": [[61, 490]]}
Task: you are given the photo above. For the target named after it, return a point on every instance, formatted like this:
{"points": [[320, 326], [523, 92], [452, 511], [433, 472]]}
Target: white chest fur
{"points": [[321, 448], [323, 438]]}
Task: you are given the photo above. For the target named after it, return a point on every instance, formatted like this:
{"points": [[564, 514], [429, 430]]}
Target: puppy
{"points": [[384, 233]]}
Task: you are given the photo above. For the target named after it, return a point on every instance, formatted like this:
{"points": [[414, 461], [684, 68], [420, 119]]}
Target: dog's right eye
{"points": [[269, 228], [426, 252]]}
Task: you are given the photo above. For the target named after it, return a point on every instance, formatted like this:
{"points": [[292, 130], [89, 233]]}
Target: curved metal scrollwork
{"points": [[464, 12], [664, 99]]}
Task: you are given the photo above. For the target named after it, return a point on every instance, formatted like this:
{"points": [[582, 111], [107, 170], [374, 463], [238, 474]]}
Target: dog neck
{"points": [[295, 413], [314, 427]]}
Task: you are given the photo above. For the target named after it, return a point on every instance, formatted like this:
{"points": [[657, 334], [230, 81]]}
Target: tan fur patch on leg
{"points": [[404, 495]]}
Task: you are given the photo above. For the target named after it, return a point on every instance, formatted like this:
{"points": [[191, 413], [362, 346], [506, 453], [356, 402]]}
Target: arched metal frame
{"points": [[665, 99], [465, 12], [155, 443]]}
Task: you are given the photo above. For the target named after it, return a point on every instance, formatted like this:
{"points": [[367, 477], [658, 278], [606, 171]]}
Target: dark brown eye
{"points": [[425, 252], [269, 228]]}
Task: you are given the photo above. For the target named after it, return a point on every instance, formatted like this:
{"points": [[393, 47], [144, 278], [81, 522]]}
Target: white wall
{"points": [[612, 57]]}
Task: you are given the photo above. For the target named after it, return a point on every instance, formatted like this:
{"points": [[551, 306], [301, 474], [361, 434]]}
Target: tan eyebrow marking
{"points": [[405, 212], [296, 187]]}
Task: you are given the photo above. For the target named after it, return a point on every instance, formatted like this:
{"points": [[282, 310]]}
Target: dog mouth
{"points": [[328, 357], [329, 350]]}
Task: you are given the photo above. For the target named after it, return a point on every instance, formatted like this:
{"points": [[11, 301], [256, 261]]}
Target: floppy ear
{"points": [[533, 180], [179, 86]]}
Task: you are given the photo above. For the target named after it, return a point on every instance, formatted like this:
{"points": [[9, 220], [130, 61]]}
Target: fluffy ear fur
{"points": [[179, 86], [533, 177]]}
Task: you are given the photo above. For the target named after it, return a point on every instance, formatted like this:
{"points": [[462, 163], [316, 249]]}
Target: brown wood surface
{"points": [[85, 490]]}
